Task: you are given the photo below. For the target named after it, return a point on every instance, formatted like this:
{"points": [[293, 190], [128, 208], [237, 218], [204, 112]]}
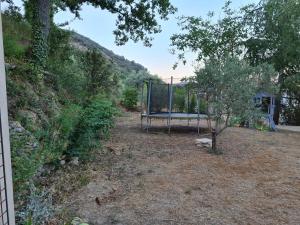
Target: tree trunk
{"points": [[214, 141], [277, 109], [40, 31]]}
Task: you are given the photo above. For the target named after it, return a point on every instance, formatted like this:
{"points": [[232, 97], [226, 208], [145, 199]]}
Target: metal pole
{"points": [[198, 111], [188, 106], [5, 145], [149, 102], [170, 104], [142, 104]]}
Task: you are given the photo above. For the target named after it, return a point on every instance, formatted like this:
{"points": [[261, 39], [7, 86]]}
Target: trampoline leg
{"points": [[141, 122], [147, 125], [198, 126], [169, 130]]}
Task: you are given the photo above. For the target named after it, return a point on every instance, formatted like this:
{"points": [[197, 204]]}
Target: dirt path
{"points": [[156, 179]]}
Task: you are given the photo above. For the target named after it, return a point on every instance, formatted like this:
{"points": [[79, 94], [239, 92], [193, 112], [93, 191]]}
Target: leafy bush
{"points": [[12, 48], [130, 98], [95, 123], [16, 34], [58, 136], [193, 105], [179, 99]]}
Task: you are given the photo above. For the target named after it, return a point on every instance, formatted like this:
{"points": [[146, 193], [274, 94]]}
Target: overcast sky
{"points": [[98, 25]]}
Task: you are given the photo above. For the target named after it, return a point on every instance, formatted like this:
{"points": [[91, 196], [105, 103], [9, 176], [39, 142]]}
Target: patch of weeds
{"points": [[83, 180], [38, 209], [217, 151]]}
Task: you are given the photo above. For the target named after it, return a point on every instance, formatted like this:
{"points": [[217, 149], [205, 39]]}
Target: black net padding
{"points": [[184, 99], [159, 98], [179, 99]]}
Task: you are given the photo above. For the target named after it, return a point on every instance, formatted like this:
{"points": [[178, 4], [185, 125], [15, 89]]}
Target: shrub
{"points": [[59, 135], [12, 48], [179, 99], [38, 209], [130, 98], [193, 105], [97, 119]]}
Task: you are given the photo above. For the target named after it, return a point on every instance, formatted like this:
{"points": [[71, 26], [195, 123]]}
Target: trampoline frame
{"points": [[169, 115]]}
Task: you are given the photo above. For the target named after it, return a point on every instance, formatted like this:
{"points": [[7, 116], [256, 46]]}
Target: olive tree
{"points": [[230, 85]]}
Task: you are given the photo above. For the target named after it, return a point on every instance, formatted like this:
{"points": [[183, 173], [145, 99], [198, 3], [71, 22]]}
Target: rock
{"points": [[75, 161], [16, 126], [78, 221], [62, 162], [35, 145], [204, 142], [30, 119]]}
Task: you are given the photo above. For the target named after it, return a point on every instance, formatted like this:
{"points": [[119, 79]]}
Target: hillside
{"points": [[83, 43], [61, 114]]}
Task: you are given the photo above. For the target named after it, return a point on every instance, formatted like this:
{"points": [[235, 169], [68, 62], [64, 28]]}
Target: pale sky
{"points": [[98, 25]]}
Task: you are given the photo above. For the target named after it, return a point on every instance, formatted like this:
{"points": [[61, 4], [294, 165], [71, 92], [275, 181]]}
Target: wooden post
{"points": [[6, 192]]}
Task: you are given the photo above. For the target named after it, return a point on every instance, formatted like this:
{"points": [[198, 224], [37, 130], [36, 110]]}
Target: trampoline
{"points": [[169, 101]]}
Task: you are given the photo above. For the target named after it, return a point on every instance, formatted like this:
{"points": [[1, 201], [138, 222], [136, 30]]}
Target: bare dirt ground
{"points": [[157, 179]]}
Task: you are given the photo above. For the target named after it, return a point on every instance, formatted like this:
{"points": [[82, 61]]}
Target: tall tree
{"points": [[210, 40], [136, 19], [274, 26]]}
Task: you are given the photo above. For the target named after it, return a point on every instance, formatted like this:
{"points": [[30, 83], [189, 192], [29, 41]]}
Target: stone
{"points": [[75, 161], [204, 142], [16, 127], [62, 162]]}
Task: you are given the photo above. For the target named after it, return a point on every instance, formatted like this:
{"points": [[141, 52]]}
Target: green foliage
{"points": [[58, 137], [12, 47], [130, 98], [26, 160], [208, 39], [136, 20], [193, 105], [95, 123], [261, 126], [202, 106], [136, 78], [179, 96], [100, 75], [38, 209], [230, 86], [16, 33]]}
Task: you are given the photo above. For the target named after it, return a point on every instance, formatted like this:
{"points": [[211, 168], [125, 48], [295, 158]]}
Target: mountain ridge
{"points": [[84, 43]]}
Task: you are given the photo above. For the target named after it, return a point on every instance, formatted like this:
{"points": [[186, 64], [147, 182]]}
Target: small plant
{"points": [[130, 98], [38, 209]]}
